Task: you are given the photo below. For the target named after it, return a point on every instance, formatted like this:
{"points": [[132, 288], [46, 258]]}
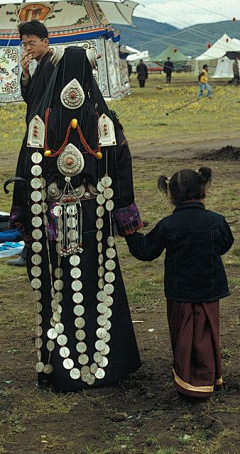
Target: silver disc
{"points": [[36, 271], [37, 295], [44, 206], [109, 289], [99, 248], [62, 339], [36, 208], [48, 368], [72, 235], [107, 326], [102, 308], [36, 183], [100, 373], [36, 170], [44, 194], [36, 259], [36, 221], [102, 320], [111, 241], [58, 284], [100, 345], [71, 210], [99, 235], [56, 317], [85, 373], [75, 273], [79, 310], [108, 313], [39, 366], [38, 307], [58, 297], [100, 283], [101, 296], [71, 222], [80, 334], [38, 331], [106, 350], [100, 199], [110, 253], [108, 301], [79, 322], [97, 357], [100, 211], [75, 373], [39, 355], [74, 260], [110, 277], [38, 319], [36, 283], [81, 347], [107, 339], [100, 259], [101, 333], [101, 271], [93, 368], [104, 362], [99, 223], [83, 359], [91, 379], [59, 235], [57, 211], [106, 181], [36, 196], [109, 205], [64, 352], [38, 342], [50, 345], [100, 187], [52, 333], [59, 309], [59, 328], [108, 193], [37, 234], [110, 265], [36, 157], [76, 285], [58, 273], [68, 363], [78, 298]]}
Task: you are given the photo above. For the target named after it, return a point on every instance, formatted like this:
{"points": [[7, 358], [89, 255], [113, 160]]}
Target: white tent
{"points": [[224, 68], [217, 51]]}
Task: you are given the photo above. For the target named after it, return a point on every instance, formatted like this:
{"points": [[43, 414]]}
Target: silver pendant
{"points": [[106, 131], [36, 133], [72, 96]]}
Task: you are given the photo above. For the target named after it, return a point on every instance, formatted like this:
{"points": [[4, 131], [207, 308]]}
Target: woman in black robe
{"points": [[76, 192]]}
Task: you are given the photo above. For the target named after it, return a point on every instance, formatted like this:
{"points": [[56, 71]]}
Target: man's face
{"points": [[35, 46]]}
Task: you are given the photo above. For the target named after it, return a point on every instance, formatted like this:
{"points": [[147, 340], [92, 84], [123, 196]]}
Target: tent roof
{"points": [[66, 21], [219, 48], [173, 53]]}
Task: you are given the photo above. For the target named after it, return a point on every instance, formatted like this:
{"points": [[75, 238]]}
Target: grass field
{"points": [[143, 415]]}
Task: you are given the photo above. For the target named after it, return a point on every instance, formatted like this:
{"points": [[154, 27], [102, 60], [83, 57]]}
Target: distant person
{"points": [[129, 67], [203, 83], [236, 71], [142, 73], [194, 238], [168, 69]]}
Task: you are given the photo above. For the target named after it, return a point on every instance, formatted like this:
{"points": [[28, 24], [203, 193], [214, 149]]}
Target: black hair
{"points": [[186, 184], [205, 66], [33, 27]]}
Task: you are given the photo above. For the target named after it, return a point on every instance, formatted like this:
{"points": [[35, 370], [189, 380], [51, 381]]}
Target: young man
{"points": [[35, 46], [203, 83], [142, 73]]}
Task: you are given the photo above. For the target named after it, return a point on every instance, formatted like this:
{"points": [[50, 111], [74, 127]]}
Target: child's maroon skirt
{"points": [[194, 331]]}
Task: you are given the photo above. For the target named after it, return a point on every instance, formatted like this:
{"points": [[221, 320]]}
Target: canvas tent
{"points": [[86, 23], [176, 56], [215, 55]]}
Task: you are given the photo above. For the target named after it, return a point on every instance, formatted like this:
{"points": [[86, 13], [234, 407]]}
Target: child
{"points": [[195, 279]]}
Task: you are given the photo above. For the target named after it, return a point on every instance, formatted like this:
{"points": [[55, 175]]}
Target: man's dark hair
{"points": [[34, 27], [205, 66]]}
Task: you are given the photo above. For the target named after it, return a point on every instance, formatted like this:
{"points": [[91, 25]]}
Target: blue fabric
{"points": [[10, 235]]}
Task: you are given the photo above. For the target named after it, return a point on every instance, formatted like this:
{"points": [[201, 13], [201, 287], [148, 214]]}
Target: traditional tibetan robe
{"points": [[79, 191]]}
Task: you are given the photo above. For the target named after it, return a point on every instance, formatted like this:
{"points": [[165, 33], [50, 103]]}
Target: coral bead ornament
{"points": [[74, 123], [47, 153]]}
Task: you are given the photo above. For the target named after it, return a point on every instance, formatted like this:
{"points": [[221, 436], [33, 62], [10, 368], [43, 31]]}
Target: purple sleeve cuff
{"points": [[15, 218], [127, 220]]}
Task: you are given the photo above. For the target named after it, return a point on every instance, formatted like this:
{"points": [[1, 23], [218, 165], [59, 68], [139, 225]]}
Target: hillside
{"points": [[156, 36]]}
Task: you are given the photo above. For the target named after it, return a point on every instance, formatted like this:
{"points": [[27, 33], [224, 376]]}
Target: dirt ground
{"points": [[143, 414]]}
